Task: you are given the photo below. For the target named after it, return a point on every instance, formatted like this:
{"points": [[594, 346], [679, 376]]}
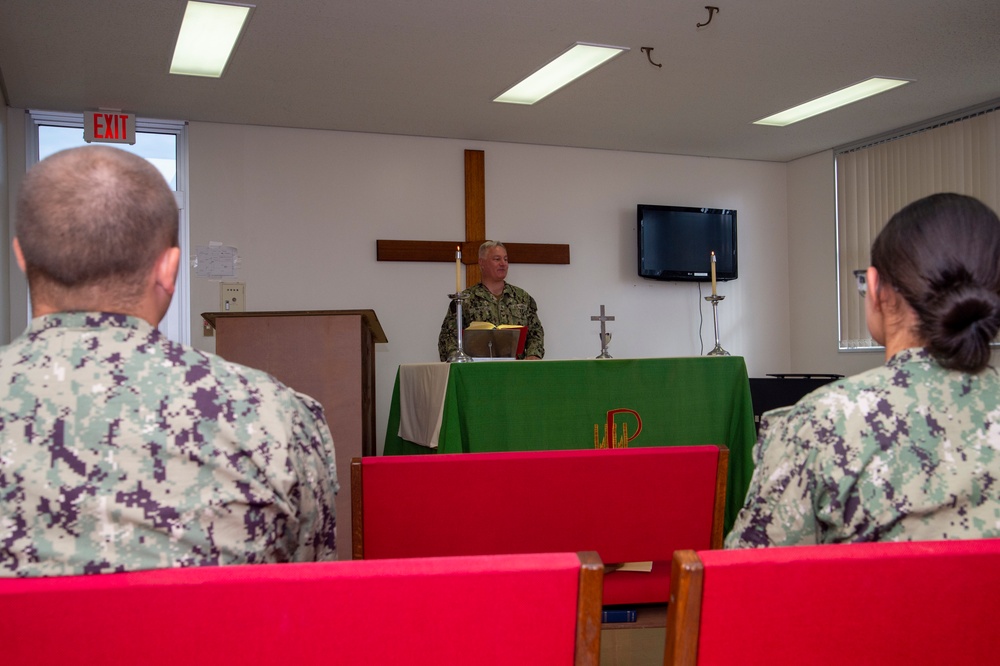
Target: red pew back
{"points": [[627, 504], [929, 602], [525, 609]]}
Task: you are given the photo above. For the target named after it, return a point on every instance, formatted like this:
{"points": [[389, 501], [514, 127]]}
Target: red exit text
{"points": [[108, 127]]}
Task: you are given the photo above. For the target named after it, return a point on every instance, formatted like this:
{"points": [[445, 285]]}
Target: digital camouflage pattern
{"points": [[515, 306], [121, 450], [905, 452]]}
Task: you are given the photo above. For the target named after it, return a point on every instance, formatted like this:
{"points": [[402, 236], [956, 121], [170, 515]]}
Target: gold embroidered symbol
{"points": [[610, 428]]}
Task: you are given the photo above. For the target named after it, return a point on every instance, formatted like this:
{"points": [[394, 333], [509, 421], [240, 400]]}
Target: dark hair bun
{"points": [[960, 325]]}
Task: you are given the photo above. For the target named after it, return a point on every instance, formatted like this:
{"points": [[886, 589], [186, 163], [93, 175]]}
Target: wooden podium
{"points": [[326, 354]]}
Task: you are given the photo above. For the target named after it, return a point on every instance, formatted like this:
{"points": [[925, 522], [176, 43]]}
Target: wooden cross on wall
{"points": [[475, 234]]}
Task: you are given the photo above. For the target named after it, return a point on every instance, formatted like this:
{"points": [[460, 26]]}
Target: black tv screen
{"points": [[676, 243]]}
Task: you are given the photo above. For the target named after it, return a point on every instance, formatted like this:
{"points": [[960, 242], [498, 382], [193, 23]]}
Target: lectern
{"points": [[327, 354]]}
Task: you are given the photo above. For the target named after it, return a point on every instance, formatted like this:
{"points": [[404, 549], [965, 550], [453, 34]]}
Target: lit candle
{"points": [[713, 273], [458, 269]]}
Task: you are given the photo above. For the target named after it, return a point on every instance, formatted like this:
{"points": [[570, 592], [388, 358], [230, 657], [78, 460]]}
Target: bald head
{"points": [[95, 220]]}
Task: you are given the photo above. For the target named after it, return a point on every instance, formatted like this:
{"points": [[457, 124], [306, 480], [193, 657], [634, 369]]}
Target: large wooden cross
{"points": [[475, 234]]}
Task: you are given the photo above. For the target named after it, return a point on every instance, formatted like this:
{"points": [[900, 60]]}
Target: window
{"points": [[877, 178], [164, 144]]}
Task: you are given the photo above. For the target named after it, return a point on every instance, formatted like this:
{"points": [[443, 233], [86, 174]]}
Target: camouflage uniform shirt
{"points": [[121, 450], [905, 452], [514, 306]]}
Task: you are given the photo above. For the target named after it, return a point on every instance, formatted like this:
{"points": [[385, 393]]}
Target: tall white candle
{"points": [[713, 273], [458, 269]]}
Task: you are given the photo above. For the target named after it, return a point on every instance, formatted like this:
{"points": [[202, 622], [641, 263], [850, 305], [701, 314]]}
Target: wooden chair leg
{"points": [[684, 611], [588, 620], [357, 512], [719, 515]]}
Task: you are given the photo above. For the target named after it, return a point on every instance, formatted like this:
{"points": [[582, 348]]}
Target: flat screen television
{"points": [[675, 243]]}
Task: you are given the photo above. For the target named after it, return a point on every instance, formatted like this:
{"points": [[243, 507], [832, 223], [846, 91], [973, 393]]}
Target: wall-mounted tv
{"points": [[676, 242]]}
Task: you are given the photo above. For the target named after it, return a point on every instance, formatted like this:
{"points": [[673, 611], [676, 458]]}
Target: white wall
{"points": [[305, 208]]}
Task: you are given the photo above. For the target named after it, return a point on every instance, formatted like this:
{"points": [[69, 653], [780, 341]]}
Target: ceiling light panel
{"points": [[208, 35], [571, 65], [849, 95]]}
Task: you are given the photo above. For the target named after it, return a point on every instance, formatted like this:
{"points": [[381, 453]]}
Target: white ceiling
{"points": [[432, 67]]}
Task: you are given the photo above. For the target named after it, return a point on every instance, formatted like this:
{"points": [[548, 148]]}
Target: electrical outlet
{"points": [[232, 297]]}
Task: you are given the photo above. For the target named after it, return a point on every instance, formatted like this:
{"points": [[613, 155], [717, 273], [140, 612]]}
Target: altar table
{"points": [[532, 405]]}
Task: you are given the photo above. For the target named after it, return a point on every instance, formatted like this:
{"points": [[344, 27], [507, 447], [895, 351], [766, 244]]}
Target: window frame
{"points": [[876, 177]]}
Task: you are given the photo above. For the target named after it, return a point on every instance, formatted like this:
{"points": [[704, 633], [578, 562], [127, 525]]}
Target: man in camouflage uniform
{"points": [[494, 301], [119, 449], [892, 454]]}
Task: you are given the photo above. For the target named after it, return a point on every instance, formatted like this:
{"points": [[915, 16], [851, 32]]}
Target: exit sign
{"points": [[108, 127]]}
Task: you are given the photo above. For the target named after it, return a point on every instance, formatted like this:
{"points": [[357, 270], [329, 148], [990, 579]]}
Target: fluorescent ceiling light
{"points": [[571, 65], [849, 95], [208, 35]]}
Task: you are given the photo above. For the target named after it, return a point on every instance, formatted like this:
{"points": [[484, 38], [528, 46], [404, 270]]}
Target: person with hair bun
{"points": [[910, 450]]}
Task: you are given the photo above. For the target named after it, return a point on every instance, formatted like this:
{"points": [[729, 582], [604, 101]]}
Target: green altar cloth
{"points": [[531, 405]]}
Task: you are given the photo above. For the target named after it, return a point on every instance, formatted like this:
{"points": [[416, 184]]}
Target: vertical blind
{"points": [[877, 179]]}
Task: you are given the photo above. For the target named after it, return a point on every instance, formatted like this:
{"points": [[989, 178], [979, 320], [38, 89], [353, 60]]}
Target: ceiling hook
{"points": [[648, 50], [711, 13]]}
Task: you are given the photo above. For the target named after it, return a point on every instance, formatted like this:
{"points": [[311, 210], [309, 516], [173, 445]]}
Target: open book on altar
{"points": [[482, 339]]}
